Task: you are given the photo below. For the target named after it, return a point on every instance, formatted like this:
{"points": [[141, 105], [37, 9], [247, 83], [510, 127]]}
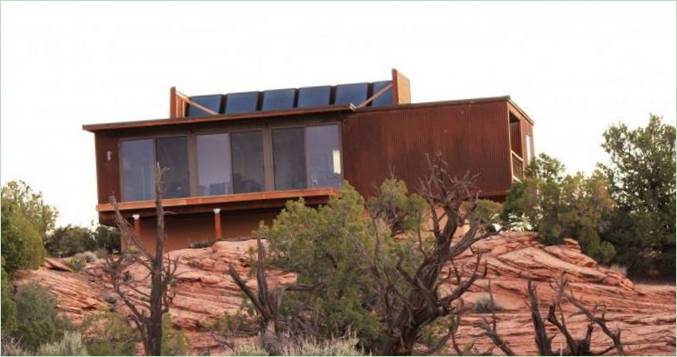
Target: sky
{"points": [[576, 68]]}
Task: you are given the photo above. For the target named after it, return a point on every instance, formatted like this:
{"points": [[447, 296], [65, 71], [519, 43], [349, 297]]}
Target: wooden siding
{"points": [[107, 166], [472, 137]]}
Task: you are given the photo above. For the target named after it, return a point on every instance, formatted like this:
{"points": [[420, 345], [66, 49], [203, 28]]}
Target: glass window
{"points": [[324, 156], [247, 159], [138, 169], [172, 154], [213, 164], [289, 158]]}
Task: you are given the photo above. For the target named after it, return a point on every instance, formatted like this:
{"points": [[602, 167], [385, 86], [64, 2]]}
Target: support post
{"points": [[217, 224], [137, 225]]}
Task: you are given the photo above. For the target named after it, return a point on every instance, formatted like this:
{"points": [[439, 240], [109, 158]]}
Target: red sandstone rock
{"points": [[645, 313]]}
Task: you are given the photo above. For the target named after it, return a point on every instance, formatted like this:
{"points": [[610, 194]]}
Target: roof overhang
{"points": [[217, 118]]}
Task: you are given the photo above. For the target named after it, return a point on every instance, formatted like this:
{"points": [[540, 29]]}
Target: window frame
{"points": [[266, 130]]}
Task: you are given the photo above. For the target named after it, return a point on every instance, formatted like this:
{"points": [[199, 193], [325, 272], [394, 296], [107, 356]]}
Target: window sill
{"points": [[235, 201]]}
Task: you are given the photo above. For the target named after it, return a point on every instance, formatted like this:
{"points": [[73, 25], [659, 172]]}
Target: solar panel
{"points": [[385, 98], [314, 96], [278, 99], [212, 102], [355, 93], [242, 102]]}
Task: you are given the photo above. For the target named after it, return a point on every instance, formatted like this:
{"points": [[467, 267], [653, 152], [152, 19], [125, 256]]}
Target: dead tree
{"points": [[452, 203], [574, 346], [147, 308]]}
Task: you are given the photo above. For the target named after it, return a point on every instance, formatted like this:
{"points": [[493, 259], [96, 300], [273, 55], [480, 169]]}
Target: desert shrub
{"points": [[88, 257], [488, 212], [107, 239], [306, 347], [109, 334], [330, 347], [641, 175], [250, 349], [561, 206], [37, 319], [8, 306], [174, 341], [485, 305], [316, 244], [70, 345], [76, 262], [26, 219], [21, 242], [11, 347], [69, 240]]}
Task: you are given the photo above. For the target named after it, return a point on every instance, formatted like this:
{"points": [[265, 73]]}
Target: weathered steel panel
{"points": [[471, 137]]}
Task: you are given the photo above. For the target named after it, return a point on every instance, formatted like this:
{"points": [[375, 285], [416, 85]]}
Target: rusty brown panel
{"points": [[516, 136], [182, 230], [107, 166], [472, 137], [401, 88]]}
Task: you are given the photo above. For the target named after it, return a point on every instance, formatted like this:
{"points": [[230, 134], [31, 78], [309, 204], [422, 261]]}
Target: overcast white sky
{"points": [[574, 67]]}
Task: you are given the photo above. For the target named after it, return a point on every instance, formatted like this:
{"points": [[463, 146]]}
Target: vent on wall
{"points": [[374, 94]]}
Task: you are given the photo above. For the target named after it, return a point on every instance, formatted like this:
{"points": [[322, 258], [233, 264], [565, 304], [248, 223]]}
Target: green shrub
{"points": [[76, 262], [69, 240], [561, 206], [488, 212], [107, 239], [70, 345], [26, 219], [8, 306], [174, 341], [641, 173], [37, 319], [21, 242], [109, 334]]}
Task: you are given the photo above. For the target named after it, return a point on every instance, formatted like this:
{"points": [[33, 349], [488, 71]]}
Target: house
{"points": [[234, 160]]}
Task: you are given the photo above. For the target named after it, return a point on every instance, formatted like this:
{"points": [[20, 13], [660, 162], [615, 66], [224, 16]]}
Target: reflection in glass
{"points": [[324, 156], [247, 158], [213, 163], [138, 174], [289, 159], [172, 154]]}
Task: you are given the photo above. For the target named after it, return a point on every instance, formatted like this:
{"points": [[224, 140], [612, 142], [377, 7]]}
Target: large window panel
{"points": [[138, 173], [213, 163], [172, 154], [289, 158], [324, 156], [247, 159]]}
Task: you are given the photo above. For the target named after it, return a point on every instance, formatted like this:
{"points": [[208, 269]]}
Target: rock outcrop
{"points": [[645, 313]]}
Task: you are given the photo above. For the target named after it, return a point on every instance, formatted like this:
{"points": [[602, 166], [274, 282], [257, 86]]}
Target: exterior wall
{"points": [[472, 137], [377, 143], [182, 230]]}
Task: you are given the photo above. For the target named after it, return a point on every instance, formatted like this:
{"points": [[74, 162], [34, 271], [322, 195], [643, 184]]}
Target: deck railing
{"points": [[517, 166]]}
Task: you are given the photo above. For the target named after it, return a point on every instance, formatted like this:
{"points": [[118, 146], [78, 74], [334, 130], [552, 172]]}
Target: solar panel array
{"points": [[285, 99]]}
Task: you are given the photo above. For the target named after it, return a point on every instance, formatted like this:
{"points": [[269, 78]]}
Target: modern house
{"points": [[233, 160]]}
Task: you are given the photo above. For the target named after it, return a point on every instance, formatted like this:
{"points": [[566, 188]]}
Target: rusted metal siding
{"points": [[472, 137], [107, 166]]}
